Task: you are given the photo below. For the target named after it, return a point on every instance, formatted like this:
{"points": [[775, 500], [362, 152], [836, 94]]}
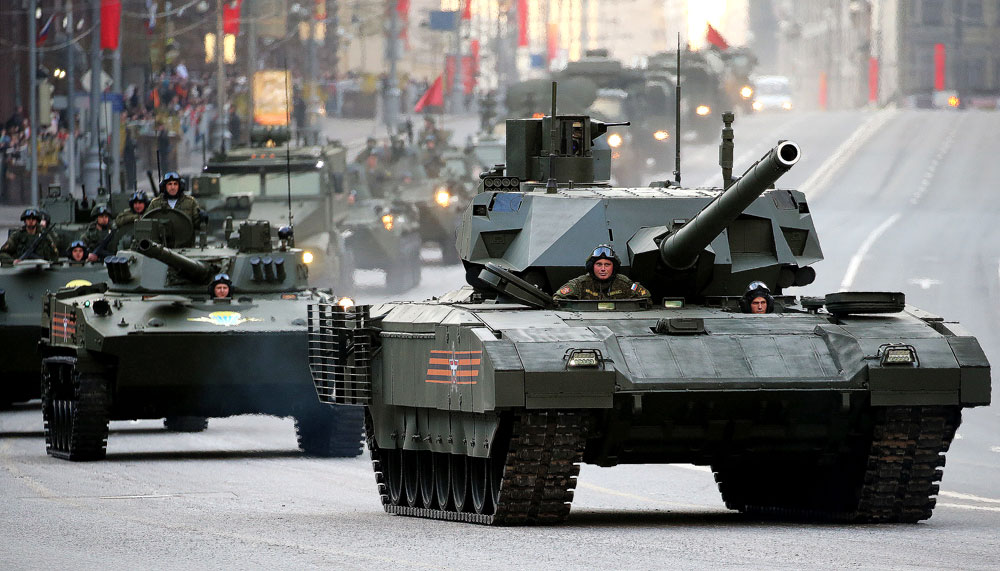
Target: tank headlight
{"points": [[787, 105], [307, 257], [746, 91], [757, 105], [442, 197], [387, 221], [615, 140], [953, 101], [661, 135], [583, 358], [898, 355], [319, 164], [703, 110], [345, 303]]}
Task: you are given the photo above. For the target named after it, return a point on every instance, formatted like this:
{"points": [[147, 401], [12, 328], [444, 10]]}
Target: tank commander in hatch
{"points": [[172, 195], [77, 253], [221, 287], [602, 280], [757, 299]]}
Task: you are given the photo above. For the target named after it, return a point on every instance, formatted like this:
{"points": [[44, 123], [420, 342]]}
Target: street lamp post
{"points": [[33, 98], [92, 164], [390, 100], [71, 107]]}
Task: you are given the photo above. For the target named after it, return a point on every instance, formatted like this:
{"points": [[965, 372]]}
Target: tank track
{"points": [[904, 465], [75, 414], [895, 482], [542, 463]]}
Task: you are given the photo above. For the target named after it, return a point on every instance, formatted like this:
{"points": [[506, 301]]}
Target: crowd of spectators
{"points": [[15, 154]]}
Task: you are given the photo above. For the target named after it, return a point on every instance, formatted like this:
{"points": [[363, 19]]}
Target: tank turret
{"points": [[192, 269], [540, 214]]}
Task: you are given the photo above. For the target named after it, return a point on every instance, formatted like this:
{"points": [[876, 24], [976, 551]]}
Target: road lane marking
{"points": [[925, 182], [925, 283], [646, 499], [970, 497], [855, 265], [995, 449], [820, 179], [966, 507]]}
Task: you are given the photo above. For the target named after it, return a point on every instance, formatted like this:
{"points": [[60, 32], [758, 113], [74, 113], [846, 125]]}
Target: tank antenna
{"points": [[550, 185], [288, 143], [677, 116]]}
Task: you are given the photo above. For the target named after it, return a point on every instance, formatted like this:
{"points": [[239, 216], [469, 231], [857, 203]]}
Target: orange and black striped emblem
{"points": [[453, 367], [63, 325]]}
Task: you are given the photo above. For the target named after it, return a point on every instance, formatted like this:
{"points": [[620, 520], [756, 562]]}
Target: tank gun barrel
{"points": [[191, 269], [680, 249]]}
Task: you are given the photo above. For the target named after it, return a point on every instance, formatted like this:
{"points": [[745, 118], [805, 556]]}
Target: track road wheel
{"points": [[392, 472], [479, 485], [185, 423], [331, 431], [411, 478], [425, 475], [442, 479], [75, 408], [460, 483]]}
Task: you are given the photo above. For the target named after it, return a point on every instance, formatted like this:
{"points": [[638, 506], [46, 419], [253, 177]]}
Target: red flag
{"points": [[231, 17], [403, 9], [940, 60], [111, 18], [522, 23], [713, 37], [434, 96]]}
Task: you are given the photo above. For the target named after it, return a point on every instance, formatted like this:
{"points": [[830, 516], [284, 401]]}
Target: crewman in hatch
{"points": [[602, 280]]}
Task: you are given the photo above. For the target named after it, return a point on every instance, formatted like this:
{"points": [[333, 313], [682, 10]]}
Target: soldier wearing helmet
{"points": [[77, 252], [757, 299], [21, 240], [97, 234], [172, 195], [221, 287], [602, 280], [137, 205]]}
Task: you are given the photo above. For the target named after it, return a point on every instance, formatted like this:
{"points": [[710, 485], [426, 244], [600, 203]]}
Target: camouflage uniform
{"points": [[126, 217], [20, 240], [186, 204], [588, 287], [93, 237]]}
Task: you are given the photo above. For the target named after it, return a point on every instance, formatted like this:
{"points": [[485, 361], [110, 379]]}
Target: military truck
{"points": [[156, 343], [482, 403]]}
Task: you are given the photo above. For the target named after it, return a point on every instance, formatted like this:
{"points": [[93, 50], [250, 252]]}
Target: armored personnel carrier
{"points": [[160, 342], [481, 404], [259, 181]]}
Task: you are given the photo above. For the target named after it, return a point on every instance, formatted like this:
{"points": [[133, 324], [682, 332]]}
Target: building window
{"points": [[932, 12], [973, 12]]}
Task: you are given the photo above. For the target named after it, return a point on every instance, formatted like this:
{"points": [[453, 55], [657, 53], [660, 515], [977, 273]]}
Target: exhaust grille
{"points": [[340, 352]]}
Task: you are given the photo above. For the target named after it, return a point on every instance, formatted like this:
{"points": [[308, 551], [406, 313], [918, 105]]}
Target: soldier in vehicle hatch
{"points": [[98, 233], [221, 287], [172, 195], [77, 253], [602, 280], [757, 299], [21, 240], [137, 205]]}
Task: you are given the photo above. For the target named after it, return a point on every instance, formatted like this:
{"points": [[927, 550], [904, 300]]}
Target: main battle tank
{"points": [[154, 343], [481, 404]]}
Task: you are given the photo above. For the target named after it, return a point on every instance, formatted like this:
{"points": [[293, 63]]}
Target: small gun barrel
{"points": [[680, 250]]}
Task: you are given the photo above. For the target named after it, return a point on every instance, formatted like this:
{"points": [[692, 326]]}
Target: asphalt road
{"points": [[240, 494]]}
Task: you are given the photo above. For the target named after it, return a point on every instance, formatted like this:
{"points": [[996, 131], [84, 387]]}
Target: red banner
{"points": [[940, 60], [469, 70], [231, 17], [467, 12], [522, 23], [111, 18], [553, 47], [873, 80]]}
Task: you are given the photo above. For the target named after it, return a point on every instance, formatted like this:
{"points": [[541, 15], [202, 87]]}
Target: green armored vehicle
{"points": [[186, 335], [255, 183], [481, 404]]}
